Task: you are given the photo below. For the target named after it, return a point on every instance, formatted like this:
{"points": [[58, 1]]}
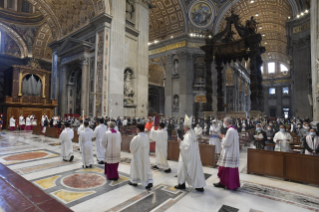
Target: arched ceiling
{"points": [[66, 16], [271, 17], [166, 19], [156, 75]]}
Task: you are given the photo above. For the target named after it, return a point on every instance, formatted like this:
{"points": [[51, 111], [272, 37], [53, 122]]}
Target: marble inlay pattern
{"points": [[22, 157], [282, 195], [4, 143], [47, 182], [26, 170], [79, 185], [68, 196], [84, 181], [159, 199]]}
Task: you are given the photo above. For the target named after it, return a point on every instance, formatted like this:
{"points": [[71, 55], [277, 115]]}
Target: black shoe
{"points": [[219, 185], [155, 167], [200, 189], [167, 170], [71, 159], [149, 186], [90, 166], [86, 167], [180, 186], [65, 160], [132, 184], [114, 179], [101, 162]]}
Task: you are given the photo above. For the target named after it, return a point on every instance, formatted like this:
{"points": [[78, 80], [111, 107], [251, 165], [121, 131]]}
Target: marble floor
{"points": [[36, 158]]}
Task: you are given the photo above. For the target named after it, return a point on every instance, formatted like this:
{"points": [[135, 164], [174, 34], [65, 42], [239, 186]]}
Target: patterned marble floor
{"points": [[37, 159]]}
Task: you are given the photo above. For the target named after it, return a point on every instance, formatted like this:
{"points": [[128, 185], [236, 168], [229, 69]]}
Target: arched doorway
{"points": [[74, 92], [156, 90]]}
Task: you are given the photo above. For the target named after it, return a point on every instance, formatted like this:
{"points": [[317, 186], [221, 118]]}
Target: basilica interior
{"points": [[132, 60]]}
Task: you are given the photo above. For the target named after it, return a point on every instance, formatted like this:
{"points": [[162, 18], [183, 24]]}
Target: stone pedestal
{"points": [[208, 113], [255, 113], [240, 114]]}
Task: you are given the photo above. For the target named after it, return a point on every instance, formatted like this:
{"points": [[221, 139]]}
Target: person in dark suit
{"points": [[238, 125], [51, 122]]}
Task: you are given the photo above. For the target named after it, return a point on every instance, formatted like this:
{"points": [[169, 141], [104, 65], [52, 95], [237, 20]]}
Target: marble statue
{"points": [[176, 102], [128, 90], [175, 68]]}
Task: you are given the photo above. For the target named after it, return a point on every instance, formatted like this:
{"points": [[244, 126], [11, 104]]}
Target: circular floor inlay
{"points": [[26, 156], [84, 181]]}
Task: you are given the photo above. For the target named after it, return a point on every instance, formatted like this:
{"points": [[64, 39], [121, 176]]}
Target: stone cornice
{"points": [[14, 17]]}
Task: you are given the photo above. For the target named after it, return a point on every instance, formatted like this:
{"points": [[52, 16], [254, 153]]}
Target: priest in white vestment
{"points": [[34, 121], [198, 131], [66, 137], [42, 121], [98, 135], [190, 167], [28, 123], [311, 143], [161, 141], [111, 142], [80, 129], [21, 122], [214, 139], [12, 123], [282, 140], [85, 142], [140, 164], [229, 158]]}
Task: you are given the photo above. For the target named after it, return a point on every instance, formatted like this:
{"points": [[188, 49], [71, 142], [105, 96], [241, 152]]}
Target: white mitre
{"points": [[188, 121]]}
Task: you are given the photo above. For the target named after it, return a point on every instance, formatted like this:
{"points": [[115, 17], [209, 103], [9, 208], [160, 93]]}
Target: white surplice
{"points": [[85, 142], [198, 132], [140, 164], [161, 140], [229, 156], [66, 143], [98, 134], [21, 120], [12, 122], [190, 167], [283, 143], [80, 129], [28, 121], [111, 142], [214, 138], [34, 121], [42, 121]]}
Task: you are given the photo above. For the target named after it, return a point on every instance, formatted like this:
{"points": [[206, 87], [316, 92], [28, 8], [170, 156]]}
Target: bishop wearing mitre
{"points": [[190, 167]]}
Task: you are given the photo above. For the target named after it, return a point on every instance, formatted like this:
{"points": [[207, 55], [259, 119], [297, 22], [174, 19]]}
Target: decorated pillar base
{"points": [[240, 114], [255, 113], [220, 115], [208, 113]]}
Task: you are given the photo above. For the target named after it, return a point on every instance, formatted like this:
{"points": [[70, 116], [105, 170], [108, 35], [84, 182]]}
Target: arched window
{"points": [[283, 68], [11, 4], [25, 7], [271, 67]]}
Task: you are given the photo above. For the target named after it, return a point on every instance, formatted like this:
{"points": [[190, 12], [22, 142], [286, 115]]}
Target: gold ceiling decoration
{"points": [[40, 47], [166, 19], [271, 16]]}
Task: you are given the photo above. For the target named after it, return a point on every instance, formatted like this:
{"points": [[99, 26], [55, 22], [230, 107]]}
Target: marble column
{"points": [[209, 84], [169, 86], [84, 85], [63, 104], [54, 80], [220, 93], [243, 102], [186, 100], [314, 27], [235, 91], [142, 11], [254, 82]]}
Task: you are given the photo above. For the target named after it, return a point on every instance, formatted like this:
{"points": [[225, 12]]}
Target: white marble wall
{"points": [[314, 12]]}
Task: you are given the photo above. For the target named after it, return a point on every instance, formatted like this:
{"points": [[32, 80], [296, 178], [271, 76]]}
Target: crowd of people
{"points": [[224, 134]]}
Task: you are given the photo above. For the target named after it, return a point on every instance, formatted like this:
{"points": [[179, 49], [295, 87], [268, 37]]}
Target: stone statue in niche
{"points": [[175, 71], [130, 9], [176, 102], [128, 90]]}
